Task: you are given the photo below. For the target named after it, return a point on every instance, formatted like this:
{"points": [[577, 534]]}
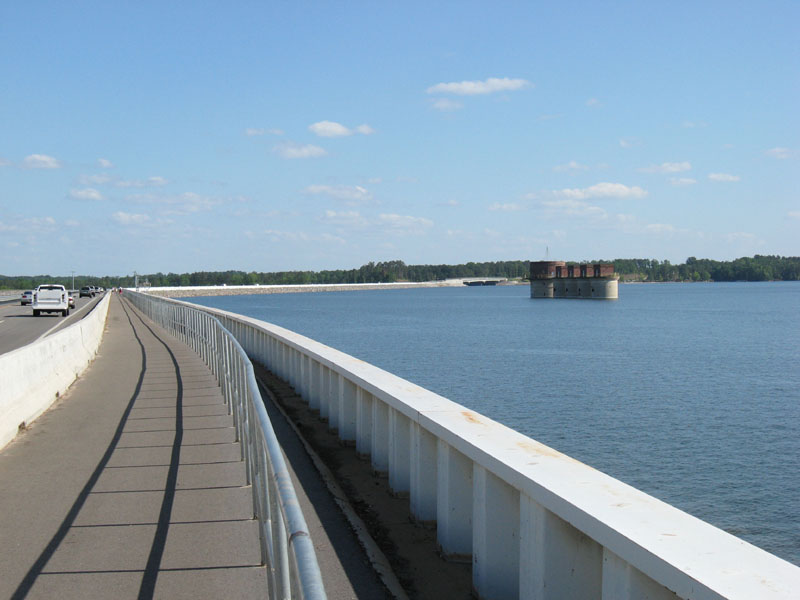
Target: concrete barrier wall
{"points": [[32, 377], [534, 522]]}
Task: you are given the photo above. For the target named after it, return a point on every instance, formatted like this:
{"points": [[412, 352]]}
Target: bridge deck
{"points": [[131, 486]]}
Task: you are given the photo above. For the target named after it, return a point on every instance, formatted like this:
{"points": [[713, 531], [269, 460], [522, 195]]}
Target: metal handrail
{"points": [[286, 546]]}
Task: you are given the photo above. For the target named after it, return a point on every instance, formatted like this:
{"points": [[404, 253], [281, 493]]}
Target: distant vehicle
{"points": [[26, 298], [86, 291], [71, 301], [51, 297]]}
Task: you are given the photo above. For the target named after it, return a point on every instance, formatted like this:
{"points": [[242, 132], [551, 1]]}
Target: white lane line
{"points": [[60, 322]]}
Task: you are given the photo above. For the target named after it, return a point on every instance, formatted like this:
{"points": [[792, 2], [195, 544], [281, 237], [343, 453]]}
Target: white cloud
{"points": [[660, 228], [72, 223], [508, 207], [156, 181], [404, 224], [4, 162], [105, 163], [573, 207], [276, 235], [329, 129], [254, 131], [41, 161], [781, 153], [472, 88], [181, 204], [450, 202], [603, 190], [723, 177], [86, 194], [349, 193], [668, 167], [793, 214], [294, 150], [570, 166], [682, 181], [741, 236], [125, 218], [629, 142], [29, 224], [40, 222], [593, 102], [333, 129], [446, 105], [347, 219], [94, 179]]}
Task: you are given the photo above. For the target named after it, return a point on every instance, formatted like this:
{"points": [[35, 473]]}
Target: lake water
{"points": [[689, 392]]}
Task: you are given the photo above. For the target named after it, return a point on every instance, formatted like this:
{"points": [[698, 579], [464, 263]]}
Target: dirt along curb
{"points": [[404, 553]]}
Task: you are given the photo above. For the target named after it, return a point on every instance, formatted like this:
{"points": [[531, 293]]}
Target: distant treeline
{"points": [[757, 268]]}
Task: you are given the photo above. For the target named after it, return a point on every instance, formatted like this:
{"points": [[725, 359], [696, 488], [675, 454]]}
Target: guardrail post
{"points": [[399, 452], [325, 393], [294, 374], [621, 581], [284, 361], [557, 560], [380, 436], [454, 502], [423, 474], [363, 422], [334, 399], [347, 410], [495, 538], [302, 380], [314, 384]]}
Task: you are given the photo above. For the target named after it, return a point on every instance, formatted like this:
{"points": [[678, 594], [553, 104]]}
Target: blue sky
{"points": [[187, 136]]}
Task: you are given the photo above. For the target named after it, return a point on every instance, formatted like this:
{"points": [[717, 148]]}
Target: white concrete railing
{"points": [[34, 376], [536, 523]]}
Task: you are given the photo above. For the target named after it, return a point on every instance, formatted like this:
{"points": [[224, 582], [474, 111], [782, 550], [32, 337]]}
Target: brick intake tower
{"points": [[557, 279]]}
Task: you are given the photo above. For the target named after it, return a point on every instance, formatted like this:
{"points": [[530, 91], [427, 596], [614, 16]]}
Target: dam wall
{"points": [[34, 376], [533, 522]]}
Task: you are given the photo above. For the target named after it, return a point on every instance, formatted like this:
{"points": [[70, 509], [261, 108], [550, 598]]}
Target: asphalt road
{"points": [[19, 327]]}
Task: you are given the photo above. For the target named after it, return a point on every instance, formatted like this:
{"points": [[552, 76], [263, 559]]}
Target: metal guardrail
{"points": [[286, 546]]}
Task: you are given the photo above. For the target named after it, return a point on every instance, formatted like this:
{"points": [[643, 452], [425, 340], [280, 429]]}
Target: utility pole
{"points": [[136, 280], [73, 280]]}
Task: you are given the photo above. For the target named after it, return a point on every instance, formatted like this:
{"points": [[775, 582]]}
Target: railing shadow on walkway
{"points": [[165, 508]]}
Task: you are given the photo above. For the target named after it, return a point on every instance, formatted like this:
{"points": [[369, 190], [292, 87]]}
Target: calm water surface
{"points": [[689, 392]]}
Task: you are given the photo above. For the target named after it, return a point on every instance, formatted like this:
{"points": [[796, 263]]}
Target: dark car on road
{"points": [[87, 291]]}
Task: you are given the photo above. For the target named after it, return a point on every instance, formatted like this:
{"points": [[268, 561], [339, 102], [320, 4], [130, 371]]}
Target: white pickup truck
{"points": [[51, 297]]}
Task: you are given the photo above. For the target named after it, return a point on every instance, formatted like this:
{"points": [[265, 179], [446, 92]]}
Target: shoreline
{"points": [[243, 290]]}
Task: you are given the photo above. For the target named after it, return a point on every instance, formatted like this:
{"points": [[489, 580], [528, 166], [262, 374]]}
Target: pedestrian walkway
{"points": [[131, 486]]}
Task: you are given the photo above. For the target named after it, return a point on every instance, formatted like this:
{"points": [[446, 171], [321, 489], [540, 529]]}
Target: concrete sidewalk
{"points": [[131, 485]]}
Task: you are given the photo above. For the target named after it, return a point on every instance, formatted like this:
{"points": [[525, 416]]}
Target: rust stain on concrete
{"points": [[472, 417]]}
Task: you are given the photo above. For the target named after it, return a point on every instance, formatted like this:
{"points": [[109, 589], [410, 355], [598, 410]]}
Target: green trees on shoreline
{"points": [[756, 268]]}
